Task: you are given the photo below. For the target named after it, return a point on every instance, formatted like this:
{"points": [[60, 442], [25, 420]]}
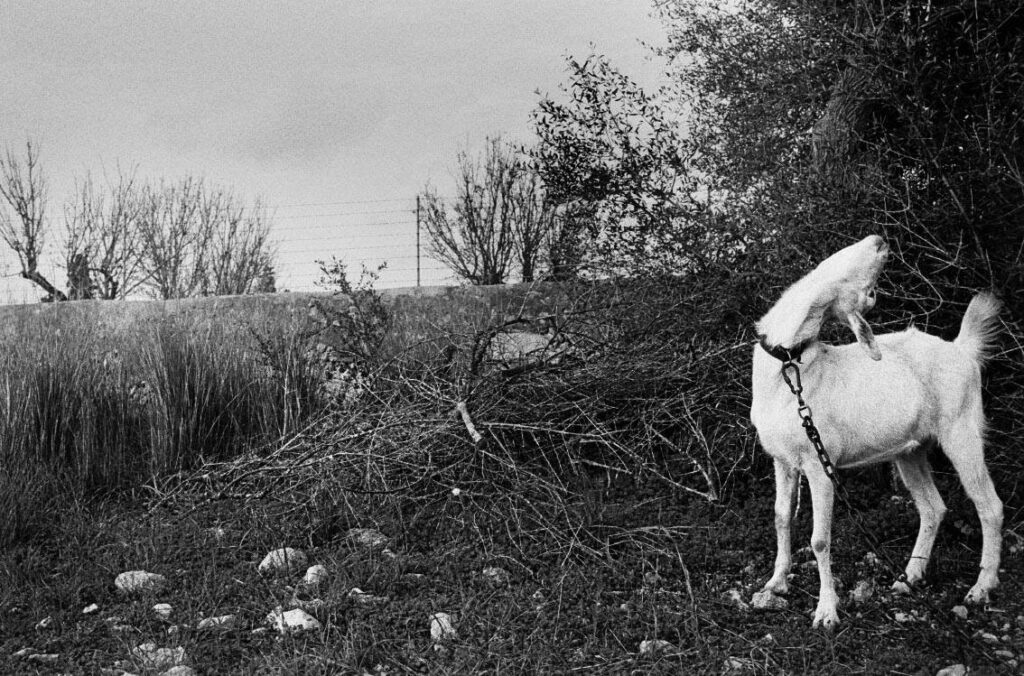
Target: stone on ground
{"points": [[367, 537], [649, 647], [152, 658], [284, 560], [293, 621], [441, 627], [952, 670], [137, 581], [219, 622], [315, 575], [767, 600]]}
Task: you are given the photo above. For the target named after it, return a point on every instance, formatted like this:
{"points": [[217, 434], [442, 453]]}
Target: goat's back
{"points": [[868, 411]]}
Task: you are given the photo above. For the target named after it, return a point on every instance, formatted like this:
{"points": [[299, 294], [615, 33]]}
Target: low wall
{"points": [[436, 304]]}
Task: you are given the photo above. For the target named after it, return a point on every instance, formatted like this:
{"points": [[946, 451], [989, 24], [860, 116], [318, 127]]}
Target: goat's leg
{"points": [[786, 482], [917, 475], [822, 495], [964, 447]]}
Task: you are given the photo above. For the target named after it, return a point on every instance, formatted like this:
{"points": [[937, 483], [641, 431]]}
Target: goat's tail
{"points": [[979, 327]]}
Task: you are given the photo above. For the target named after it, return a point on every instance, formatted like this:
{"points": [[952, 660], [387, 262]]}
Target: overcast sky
{"points": [[328, 110]]}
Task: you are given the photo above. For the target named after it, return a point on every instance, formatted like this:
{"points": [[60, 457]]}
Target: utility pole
{"points": [[417, 241]]}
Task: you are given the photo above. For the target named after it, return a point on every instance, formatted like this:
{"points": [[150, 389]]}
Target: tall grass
{"points": [[90, 411]]}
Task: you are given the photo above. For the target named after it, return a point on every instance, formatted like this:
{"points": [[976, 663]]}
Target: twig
{"points": [[468, 422]]}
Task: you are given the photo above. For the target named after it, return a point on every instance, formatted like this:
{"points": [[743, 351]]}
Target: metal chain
{"points": [[804, 411]]}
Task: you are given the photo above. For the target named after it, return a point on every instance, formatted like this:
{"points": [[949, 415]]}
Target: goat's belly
{"points": [[863, 457], [783, 437]]}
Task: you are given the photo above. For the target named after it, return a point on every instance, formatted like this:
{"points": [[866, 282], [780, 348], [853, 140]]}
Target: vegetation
{"points": [[167, 239]]}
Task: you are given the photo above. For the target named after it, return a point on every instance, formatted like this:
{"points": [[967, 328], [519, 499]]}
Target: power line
{"points": [[345, 213], [357, 225], [328, 204]]}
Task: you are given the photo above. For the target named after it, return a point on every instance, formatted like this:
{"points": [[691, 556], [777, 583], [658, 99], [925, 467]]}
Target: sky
{"points": [[335, 113]]}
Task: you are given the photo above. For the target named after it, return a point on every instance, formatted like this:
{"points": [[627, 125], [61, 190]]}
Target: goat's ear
{"points": [[864, 335]]}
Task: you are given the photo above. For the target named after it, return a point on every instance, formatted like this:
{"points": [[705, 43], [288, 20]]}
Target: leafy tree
{"points": [[614, 156], [808, 123]]}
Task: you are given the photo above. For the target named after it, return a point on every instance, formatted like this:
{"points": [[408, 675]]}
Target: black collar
{"points": [[783, 354]]}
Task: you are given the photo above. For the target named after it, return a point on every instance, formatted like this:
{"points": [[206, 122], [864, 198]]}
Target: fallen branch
{"points": [[468, 422]]}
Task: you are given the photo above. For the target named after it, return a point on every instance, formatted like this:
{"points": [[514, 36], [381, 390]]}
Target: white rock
{"points": [[219, 622], [180, 670], [735, 598], [294, 621], [315, 575], [45, 623], [90, 609], [163, 610], [952, 670], [495, 575], [900, 588], [284, 560], [367, 537], [153, 658], [654, 646], [862, 591], [1001, 654], [871, 559], [441, 627], [738, 666], [987, 637], [960, 611], [134, 581], [902, 617], [766, 600]]}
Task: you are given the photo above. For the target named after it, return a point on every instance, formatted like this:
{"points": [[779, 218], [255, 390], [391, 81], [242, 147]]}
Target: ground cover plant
{"points": [[563, 509]]}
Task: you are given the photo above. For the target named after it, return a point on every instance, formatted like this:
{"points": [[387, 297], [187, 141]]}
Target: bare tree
{"points": [[534, 220], [104, 245], [198, 239], [241, 256], [498, 218], [23, 187], [173, 238]]}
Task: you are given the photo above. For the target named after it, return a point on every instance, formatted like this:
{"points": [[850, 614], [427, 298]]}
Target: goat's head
{"points": [[850, 276], [843, 284]]}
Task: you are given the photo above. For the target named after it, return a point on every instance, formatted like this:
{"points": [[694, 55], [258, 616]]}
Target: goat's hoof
{"points": [[978, 595], [900, 587], [778, 586], [826, 618]]}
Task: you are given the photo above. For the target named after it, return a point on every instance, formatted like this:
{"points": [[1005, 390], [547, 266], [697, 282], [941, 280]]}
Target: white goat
{"points": [[892, 401]]}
